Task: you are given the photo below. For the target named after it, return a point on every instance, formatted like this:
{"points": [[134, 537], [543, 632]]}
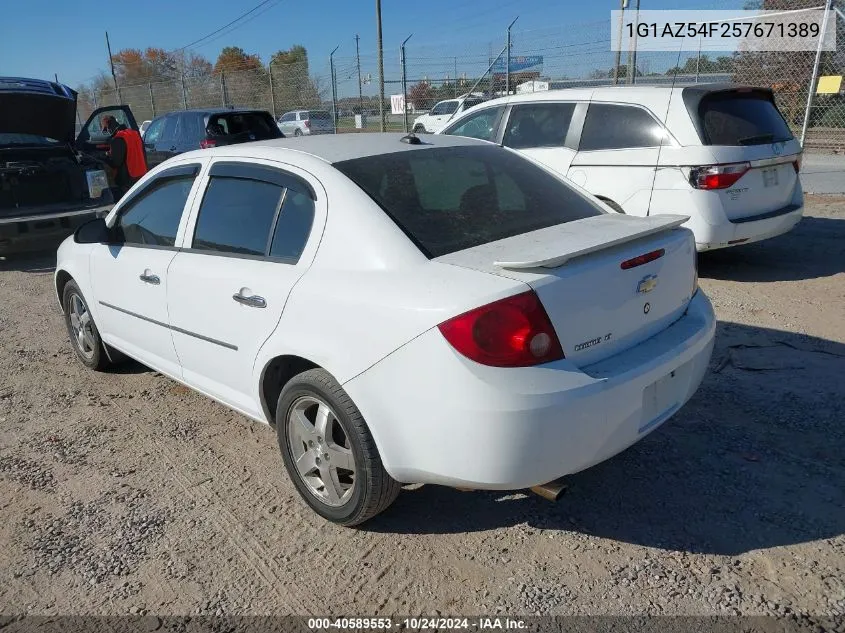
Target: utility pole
{"points": [[360, 87], [508, 61], [380, 66], [623, 4], [632, 54], [404, 83], [334, 87], [814, 76], [111, 64]]}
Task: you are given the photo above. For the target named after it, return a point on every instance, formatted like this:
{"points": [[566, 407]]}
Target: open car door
{"points": [[92, 140]]}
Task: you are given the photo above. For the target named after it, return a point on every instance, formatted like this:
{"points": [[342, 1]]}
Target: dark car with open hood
{"points": [[51, 180]]}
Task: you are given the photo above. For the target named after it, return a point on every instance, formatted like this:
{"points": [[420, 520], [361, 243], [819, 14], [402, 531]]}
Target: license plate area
{"points": [[771, 176], [663, 397]]}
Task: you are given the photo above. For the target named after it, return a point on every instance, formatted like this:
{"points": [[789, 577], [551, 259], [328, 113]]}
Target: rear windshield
{"points": [[447, 199], [320, 115], [258, 124], [735, 118]]}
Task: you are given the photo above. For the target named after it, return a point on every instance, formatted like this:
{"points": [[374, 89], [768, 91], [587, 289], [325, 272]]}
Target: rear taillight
{"points": [[307, 123], [717, 176], [207, 142], [512, 332]]}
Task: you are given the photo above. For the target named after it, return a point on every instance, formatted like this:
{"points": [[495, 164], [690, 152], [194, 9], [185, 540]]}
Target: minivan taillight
{"points": [[207, 142], [307, 123], [512, 332], [717, 176]]}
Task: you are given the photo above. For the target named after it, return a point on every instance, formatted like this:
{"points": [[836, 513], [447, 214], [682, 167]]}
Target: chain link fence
{"points": [[571, 55]]}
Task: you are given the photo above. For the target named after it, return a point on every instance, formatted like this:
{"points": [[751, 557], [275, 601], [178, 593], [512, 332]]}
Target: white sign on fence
{"points": [[397, 104]]}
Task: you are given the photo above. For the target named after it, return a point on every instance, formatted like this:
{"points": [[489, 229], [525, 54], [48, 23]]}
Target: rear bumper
{"points": [[31, 233], [440, 418]]}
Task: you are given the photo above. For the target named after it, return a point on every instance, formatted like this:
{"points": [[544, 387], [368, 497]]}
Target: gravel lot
{"points": [[127, 493]]}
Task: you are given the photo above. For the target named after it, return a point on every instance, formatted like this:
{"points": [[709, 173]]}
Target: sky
{"points": [[40, 38]]}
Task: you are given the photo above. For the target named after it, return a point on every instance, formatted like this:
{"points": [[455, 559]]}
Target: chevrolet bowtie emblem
{"points": [[647, 284]]}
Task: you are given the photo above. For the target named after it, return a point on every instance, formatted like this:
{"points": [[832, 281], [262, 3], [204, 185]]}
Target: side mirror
{"points": [[93, 232]]}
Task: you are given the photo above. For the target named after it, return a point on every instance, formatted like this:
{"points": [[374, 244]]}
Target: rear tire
{"points": [[297, 132], [318, 427], [82, 331]]}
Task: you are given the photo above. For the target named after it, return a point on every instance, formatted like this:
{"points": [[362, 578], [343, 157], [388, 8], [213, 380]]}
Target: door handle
{"points": [[253, 302], [150, 279]]}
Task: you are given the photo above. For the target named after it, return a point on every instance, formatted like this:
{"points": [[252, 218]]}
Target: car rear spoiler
{"points": [[556, 245]]}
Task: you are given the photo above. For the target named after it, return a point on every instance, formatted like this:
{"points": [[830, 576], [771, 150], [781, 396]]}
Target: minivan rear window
{"points": [[741, 118], [447, 199]]}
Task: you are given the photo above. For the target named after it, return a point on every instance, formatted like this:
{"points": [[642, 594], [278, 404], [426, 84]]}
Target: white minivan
{"points": [[722, 154]]}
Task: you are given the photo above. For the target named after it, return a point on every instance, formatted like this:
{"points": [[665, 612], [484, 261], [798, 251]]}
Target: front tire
{"points": [[82, 331], [328, 451]]}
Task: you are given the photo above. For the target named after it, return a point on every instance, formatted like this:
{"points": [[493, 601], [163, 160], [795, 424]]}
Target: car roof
{"points": [[334, 148]]}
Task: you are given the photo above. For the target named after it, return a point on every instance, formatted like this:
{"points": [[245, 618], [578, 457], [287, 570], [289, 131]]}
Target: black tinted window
{"points": [[258, 124], [237, 216], [735, 118], [169, 130], [482, 125], [538, 125], [449, 199], [293, 227], [153, 218], [320, 115], [617, 127]]}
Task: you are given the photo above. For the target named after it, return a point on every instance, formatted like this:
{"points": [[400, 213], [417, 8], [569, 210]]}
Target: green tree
{"points": [[293, 86]]}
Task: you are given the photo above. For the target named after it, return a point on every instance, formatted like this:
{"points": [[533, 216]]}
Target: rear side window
{"points": [[152, 219], [293, 227], [320, 115], [237, 216], [738, 118], [259, 125], [538, 125], [610, 126], [450, 198]]}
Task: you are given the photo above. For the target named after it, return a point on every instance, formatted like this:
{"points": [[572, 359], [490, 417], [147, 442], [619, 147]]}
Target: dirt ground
{"points": [[124, 492]]}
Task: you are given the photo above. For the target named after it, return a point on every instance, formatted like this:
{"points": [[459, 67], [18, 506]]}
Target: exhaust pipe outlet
{"points": [[551, 491]]}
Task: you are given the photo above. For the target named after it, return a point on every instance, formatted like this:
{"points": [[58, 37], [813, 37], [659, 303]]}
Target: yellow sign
{"points": [[829, 85]]}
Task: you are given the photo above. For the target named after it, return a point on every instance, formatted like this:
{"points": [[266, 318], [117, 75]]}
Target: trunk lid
{"points": [[37, 107], [598, 308]]}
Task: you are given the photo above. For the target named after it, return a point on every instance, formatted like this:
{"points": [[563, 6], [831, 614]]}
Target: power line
{"points": [[237, 19]]}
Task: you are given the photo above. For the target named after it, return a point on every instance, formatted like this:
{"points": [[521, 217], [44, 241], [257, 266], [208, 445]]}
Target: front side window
{"points": [[447, 107], [290, 116], [152, 217], [538, 125], [153, 132], [611, 126], [482, 125], [448, 199], [237, 215]]}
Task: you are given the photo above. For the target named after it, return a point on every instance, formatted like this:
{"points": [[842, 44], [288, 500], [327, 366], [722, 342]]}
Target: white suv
{"points": [[722, 154], [443, 112], [306, 122]]}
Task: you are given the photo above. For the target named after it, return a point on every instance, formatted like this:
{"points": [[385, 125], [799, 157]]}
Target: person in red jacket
{"points": [[126, 154]]}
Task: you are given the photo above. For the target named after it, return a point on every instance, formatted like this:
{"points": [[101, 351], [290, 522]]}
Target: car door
{"points": [[227, 288], [92, 139], [151, 138], [545, 132], [617, 154], [165, 146], [129, 274]]}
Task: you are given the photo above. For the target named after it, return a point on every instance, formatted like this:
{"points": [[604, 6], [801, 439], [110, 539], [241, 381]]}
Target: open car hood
{"points": [[35, 106]]}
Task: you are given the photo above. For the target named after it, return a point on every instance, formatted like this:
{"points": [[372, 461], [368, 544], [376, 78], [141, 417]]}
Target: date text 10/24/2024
{"points": [[418, 624]]}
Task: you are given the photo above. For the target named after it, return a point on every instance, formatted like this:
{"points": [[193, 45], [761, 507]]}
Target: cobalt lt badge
{"points": [[646, 308]]}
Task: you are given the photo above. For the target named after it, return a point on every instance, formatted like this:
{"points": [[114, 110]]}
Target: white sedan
{"points": [[403, 311]]}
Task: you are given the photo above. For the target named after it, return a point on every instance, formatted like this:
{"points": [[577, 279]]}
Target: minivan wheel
{"points": [[329, 452], [84, 336], [297, 132]]}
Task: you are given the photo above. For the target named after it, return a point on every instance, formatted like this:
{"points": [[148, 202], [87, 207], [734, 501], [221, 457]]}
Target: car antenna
{"points": [[411, 139]]}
